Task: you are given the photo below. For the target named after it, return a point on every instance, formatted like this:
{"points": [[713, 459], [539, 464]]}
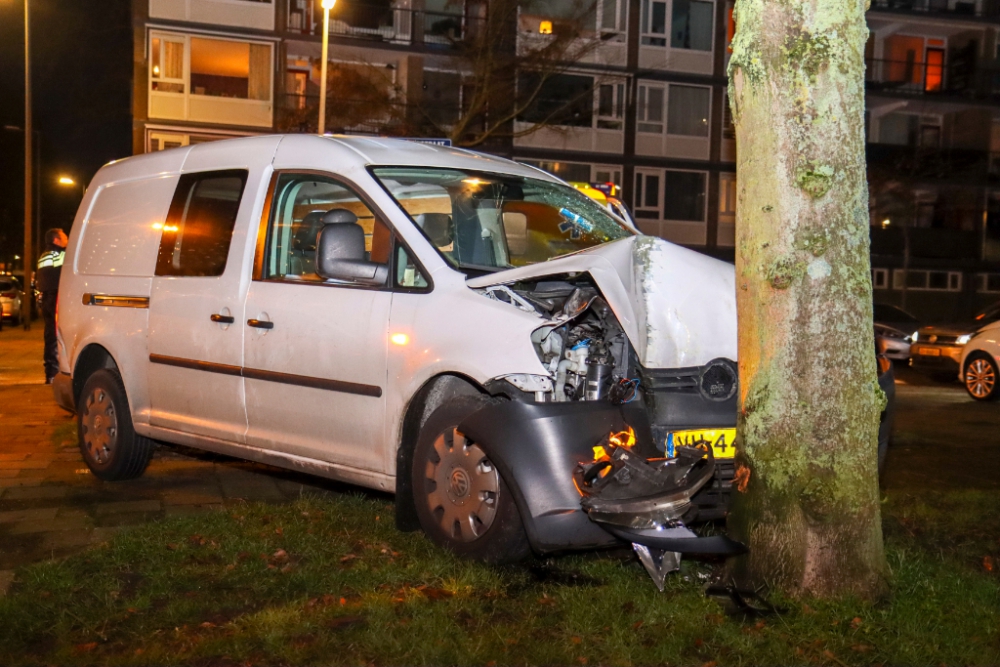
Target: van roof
{"points": [[365, 151]]}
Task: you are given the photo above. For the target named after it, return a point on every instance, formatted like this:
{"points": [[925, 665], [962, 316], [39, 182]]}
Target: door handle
{"points": [[223, 319], [261, 324]]}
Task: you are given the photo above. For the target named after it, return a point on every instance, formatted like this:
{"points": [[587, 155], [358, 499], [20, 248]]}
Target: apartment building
{"points": [[649, 109]]}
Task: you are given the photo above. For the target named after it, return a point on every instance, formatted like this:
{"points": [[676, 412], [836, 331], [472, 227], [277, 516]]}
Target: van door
{"points": [[195, 337], [315, 350]]}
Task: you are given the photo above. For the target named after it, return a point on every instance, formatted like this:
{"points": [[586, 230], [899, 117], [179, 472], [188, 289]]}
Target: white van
{"points": [[456, 328]]}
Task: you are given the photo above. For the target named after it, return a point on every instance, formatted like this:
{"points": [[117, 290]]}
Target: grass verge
{"points": [[332, 582]]}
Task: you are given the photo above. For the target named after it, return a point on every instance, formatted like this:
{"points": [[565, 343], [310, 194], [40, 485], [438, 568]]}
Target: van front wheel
{"points": [[110, 446], [462, 500]]}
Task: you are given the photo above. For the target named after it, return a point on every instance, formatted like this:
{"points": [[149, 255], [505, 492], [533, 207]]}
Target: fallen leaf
{"points": [[576, 639], [856, 622], [279, 531], [698, 643], [711, 663], [637, 625], [341, 622], [171, 547], [988, 563], [85, 648], [582, 660], [432, 593], [806, 609], [288, 568], [759, 625], [208, 624], [280, 555], [861, 648], [139, 651]]}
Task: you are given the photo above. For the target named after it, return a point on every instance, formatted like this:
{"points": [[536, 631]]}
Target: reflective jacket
{"points": [[49, 269]]}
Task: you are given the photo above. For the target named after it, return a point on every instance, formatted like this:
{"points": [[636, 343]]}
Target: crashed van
{"points": [[508, 357]]}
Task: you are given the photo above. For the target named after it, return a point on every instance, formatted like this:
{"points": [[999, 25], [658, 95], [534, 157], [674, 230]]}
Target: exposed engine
{"points": [[583, 346]]}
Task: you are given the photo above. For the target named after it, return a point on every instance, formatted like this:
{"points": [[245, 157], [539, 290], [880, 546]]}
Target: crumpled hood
{"points": [[677, 306]]}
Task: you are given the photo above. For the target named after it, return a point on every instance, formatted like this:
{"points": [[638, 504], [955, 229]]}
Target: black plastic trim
{"points": [[270, 376]]}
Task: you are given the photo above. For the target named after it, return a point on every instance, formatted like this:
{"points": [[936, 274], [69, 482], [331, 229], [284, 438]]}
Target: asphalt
{"points": [[51, 506]]}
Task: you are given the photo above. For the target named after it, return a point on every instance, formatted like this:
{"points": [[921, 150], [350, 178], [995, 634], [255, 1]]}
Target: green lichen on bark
{"points": [[810, 402]]}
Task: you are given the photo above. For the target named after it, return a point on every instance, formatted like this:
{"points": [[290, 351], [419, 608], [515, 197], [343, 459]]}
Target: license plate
{"points": [[929, 352], [721, 441]]}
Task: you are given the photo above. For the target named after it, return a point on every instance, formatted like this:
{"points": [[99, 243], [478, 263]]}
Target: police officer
{"points": [[47, 282]]}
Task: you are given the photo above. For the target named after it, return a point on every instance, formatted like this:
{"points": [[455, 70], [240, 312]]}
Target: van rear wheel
{"points": [[462, 501], [110, 446]]}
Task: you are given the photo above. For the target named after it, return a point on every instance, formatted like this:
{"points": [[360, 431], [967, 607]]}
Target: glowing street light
{"points": [[66, 180], [327, 6]]}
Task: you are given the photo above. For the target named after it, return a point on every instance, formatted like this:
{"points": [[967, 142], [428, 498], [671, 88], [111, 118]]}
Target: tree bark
{"points": [[806, 496]]}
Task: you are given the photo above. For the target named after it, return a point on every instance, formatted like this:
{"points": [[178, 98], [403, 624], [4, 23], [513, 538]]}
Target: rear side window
{"points": [[199, 227]]}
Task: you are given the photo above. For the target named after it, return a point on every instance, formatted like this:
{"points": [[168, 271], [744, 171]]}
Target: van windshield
{"points": [[489, 222]]}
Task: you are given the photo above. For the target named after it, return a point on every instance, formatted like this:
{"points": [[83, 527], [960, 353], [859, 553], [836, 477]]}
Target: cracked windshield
{"points": [[492, 221]]}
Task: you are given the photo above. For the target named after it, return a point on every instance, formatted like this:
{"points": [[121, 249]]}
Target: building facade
{"points": [[649, 114]]}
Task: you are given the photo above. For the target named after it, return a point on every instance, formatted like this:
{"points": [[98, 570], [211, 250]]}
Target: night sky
{"points": [[81, 60]]}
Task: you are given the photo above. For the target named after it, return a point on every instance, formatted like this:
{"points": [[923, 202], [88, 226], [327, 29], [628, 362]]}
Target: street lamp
{"points": [[28, 253], [327, 6]]}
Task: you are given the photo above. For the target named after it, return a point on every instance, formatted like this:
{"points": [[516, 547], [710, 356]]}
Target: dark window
{"points": [[563, 99], [684, 197], [937, 280], [199, 227]]}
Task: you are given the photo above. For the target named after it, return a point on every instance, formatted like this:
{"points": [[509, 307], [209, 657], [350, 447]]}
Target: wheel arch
{"points": [[92, 358], [432, 394]]}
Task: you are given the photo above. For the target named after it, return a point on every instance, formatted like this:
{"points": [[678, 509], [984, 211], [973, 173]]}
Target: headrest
{"points": [[338, 216], [307, 230], [438, 228]]}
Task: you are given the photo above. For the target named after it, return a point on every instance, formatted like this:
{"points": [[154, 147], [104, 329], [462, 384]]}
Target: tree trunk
{"points": [[806, 500]]}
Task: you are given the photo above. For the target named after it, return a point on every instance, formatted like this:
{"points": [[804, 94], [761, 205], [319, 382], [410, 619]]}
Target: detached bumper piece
{"points": [[646, 502]]}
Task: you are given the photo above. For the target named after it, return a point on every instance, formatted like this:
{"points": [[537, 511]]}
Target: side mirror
{"points": [[340, 255]]}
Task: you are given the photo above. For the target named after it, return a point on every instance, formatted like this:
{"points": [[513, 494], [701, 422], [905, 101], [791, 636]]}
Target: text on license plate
{"points": [[721, 439], [929, 352]]}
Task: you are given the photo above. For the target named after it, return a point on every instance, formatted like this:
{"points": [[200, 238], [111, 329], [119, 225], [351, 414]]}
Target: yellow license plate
{"points": [[930, 352], [720, 439]]}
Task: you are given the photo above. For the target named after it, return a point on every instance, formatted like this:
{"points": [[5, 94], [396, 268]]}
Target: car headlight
{"points": [[962, 340], [915, 336]]}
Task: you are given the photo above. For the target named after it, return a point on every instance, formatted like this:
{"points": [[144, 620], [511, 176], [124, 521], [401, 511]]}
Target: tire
{"points": [[109, 444], [448, 473], [980, 376]]}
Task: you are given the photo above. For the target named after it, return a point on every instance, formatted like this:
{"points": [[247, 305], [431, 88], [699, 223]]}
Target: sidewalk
{"points": [[50, 504]]}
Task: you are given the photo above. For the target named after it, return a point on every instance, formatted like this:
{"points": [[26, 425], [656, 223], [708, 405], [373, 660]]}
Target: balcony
{"points": [[959, 9], [955, 79], [931, 164], [386, 23]]}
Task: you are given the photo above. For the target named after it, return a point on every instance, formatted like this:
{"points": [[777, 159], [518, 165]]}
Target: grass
{"points": [[332, 582]]}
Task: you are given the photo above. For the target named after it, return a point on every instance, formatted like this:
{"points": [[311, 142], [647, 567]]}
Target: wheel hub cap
{"points": [[99, 426], [462, 487]]}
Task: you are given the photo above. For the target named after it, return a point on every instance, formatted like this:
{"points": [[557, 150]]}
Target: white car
{"points": [[456, 328], [10, 299], [980, 365]]}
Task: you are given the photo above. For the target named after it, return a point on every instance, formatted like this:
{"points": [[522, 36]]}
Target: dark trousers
{"points": [[51, 358]]}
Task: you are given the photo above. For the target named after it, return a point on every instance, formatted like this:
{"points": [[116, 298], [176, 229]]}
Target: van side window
{"points": [[199, 226], [408, 274], [300, 203]]}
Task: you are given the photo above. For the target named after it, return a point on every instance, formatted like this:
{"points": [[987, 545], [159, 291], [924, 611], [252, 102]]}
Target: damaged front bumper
{"points": [[538, 448]]}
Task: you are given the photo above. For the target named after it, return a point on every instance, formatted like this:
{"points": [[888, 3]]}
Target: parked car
{"points": [[980, 369], [895, 342], [896, 318], [937, 350], [470, 333], [10, 299]]}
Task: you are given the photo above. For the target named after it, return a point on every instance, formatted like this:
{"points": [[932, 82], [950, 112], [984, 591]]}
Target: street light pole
{"points": [[327, 6], [29, 254]]}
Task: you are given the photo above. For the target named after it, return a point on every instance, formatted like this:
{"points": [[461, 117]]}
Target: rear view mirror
{"points": [[340, 255], [515, 228]]}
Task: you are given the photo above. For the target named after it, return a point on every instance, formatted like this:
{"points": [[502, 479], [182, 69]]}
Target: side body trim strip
{"points": [[269, 376]]}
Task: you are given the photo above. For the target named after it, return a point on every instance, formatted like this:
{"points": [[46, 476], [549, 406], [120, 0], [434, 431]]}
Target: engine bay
{"points": [[582, 345]]}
